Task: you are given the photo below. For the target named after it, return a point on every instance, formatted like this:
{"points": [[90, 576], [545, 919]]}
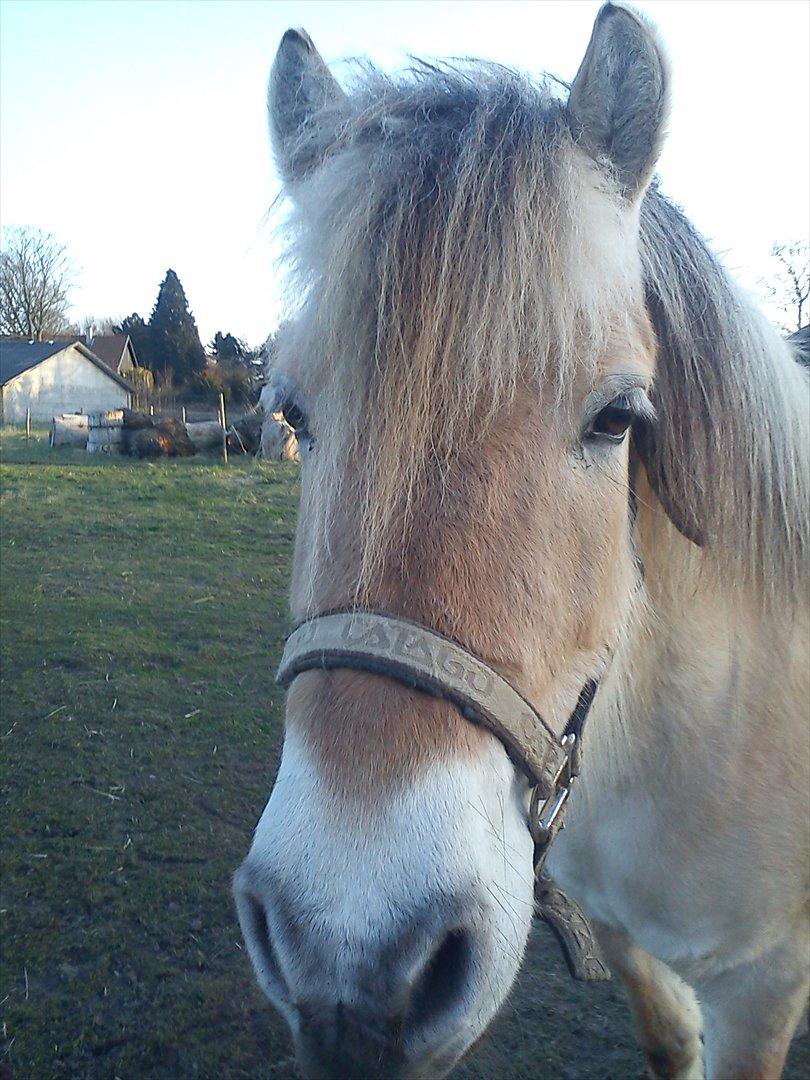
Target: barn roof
{"points": [[17, 356], [110, 348]]}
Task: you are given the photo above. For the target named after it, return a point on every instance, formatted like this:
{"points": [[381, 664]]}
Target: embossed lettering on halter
{"points": [[426, 660]]}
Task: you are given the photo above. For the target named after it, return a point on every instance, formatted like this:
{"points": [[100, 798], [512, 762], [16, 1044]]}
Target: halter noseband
{"points": [[425, 660]]}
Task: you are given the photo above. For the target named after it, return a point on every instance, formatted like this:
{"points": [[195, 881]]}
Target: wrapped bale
{"points": [[69, 429], [278, 440], [205, 435], [105, 431]]}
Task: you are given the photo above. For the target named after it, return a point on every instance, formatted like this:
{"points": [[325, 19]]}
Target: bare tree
{"points": [[35, 276], [95, 325], [789, 289]]}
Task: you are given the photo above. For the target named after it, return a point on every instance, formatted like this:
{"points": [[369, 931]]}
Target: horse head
{"points": [[471, 352]]}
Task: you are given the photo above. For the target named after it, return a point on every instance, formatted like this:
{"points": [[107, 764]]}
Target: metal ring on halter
{"points": [[544, 820]]}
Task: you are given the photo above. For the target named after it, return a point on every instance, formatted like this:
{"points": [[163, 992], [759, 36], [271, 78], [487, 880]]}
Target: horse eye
{"points": [[613, 421]]}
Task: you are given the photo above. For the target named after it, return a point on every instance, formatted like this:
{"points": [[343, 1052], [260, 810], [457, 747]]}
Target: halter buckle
{"points": [[543, 819]]}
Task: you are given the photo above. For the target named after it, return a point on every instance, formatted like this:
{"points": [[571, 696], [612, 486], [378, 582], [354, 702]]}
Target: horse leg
{"points": [[665, 1012], [752, 1011]]}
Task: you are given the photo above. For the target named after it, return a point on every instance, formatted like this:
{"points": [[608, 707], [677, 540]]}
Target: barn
{"points": [[54, 377]]}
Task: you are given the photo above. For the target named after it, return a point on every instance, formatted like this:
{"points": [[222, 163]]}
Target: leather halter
{"points": [[425, 660]]}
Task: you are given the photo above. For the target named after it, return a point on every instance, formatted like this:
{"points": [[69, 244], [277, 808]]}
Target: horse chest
{"points": [[620, 858]]}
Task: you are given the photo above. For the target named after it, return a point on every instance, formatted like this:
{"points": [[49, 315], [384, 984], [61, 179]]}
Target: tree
{"points": [[174, 341], [35, 277], [143, 381], [790, 288], [233, 379], [94, 326], [228, 348]]}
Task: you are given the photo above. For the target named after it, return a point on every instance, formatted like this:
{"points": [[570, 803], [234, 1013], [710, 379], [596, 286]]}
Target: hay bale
{"points": [[105, 431], [69, 429], [245, 436], [278, 442], [147, 443], [182, 444], [205, 435], [289, 451], [134, 420], [169, 438]]}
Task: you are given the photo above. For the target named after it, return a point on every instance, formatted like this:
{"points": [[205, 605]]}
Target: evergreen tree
{"points": [[174, 339], [227, 348]]}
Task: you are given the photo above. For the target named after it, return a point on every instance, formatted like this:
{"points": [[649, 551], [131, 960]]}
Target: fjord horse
{"points": [[537, 416]]}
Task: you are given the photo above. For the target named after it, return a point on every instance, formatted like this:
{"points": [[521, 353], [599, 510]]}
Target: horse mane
{"points": [[442, 245], [732, 433], [444, 230]]}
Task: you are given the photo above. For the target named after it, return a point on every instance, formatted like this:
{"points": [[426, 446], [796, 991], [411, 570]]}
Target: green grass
{"points": [[143, 611]]}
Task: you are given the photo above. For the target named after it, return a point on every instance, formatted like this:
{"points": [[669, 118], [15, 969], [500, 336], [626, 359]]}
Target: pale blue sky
{"points": [[135, 130]]}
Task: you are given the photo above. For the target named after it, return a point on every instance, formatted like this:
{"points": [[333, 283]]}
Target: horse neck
{"points": [[682, 634], [696, 666]]}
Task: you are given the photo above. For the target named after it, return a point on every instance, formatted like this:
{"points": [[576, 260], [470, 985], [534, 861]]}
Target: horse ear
{"points": [[304, 102], [619, 100], [674, 501]]}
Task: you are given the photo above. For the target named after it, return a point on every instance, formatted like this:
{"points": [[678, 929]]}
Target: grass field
{"points": [[143, 609]]}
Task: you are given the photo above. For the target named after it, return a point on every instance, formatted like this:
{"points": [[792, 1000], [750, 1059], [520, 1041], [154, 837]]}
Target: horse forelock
{"points": [[456, 250]]}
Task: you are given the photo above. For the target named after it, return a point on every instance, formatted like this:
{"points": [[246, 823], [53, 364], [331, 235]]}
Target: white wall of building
{"points": [[64, 383]]}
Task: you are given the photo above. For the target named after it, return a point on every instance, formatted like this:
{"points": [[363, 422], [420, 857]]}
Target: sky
{"points": [[135, 130]]}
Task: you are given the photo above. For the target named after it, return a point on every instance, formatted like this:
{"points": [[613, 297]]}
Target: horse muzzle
{"points": [[397, 1001]]}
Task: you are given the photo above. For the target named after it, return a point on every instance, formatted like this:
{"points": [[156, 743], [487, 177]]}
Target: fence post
{"points": [[27, 425], [224, 423]]}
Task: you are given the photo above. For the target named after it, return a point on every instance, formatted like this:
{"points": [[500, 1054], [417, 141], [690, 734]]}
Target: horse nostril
{"points": [[443, 981], [258, 938]]}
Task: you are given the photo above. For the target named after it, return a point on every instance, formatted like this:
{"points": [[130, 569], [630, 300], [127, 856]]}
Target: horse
{"points": [[540, 423]]}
